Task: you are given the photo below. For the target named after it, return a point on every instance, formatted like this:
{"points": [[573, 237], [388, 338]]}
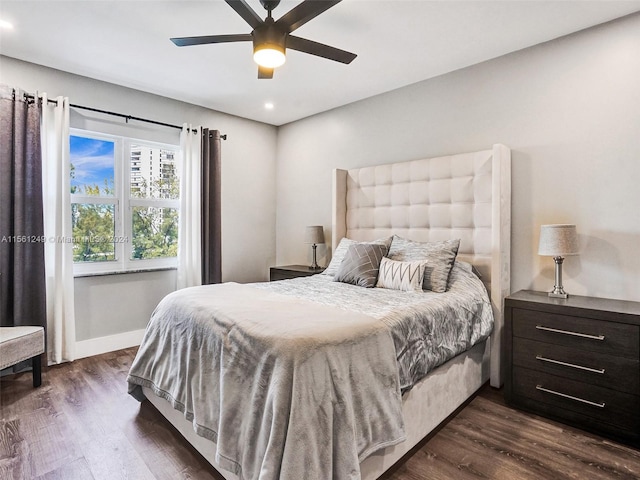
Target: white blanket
{"points": [[287, 389]]}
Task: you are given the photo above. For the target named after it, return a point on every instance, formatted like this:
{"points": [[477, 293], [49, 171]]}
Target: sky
{"points": [[93, 160]]}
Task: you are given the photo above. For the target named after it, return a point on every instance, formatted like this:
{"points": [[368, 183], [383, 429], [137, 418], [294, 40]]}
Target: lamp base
{"points": [[558, 290], [553, 294], [314, 265]]}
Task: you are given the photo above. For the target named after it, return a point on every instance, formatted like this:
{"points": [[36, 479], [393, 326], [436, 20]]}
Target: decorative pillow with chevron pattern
{"points": [[360, 264], [405, 276]]}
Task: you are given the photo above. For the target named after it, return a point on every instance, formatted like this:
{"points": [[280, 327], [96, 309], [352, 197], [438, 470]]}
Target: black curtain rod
{"points": [[122, 115]]}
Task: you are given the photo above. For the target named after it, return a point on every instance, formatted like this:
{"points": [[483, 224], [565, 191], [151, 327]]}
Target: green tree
{"points": [[92, 224], [74, 188], [93, 232], [155, 230]]}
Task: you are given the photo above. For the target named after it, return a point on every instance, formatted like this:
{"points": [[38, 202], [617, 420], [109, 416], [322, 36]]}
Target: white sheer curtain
{"points": [[56, 186], [189, 229]]}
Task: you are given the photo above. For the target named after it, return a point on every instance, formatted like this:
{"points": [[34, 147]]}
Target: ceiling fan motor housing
{"points": [[269, 37]]}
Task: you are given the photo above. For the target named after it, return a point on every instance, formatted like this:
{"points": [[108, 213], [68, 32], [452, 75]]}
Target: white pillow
{"points": [[405, 276], [341, 251]]}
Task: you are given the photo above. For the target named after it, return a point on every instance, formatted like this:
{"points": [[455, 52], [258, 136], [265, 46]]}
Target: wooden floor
{"points": [[81, 424]]}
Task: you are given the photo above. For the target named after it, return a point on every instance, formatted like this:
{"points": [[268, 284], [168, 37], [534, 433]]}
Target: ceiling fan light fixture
{"points": [[269, 55]]}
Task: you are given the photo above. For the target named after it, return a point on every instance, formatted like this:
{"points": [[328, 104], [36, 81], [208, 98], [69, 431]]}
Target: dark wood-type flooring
{"points": [[81, 424]]}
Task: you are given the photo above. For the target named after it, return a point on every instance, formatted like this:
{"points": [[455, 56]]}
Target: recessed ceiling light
{"points": [[268, 106], [6, 25]]}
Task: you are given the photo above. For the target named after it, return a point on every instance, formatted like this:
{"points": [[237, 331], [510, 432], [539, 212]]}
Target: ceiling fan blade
{"points": [[301, 14], [319, 49], [187, 41], [265, 73], [246, 12]]}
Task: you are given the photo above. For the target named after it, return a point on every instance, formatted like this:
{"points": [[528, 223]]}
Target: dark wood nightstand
{"points": [[292, 271], [575, 360]]}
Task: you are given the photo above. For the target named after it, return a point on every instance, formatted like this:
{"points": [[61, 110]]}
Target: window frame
{"points": [[123, 207]]}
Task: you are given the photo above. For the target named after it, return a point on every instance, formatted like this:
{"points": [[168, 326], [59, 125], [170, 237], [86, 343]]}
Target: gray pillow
{"points": [[341, 251], [439, 256], [361, 264]]}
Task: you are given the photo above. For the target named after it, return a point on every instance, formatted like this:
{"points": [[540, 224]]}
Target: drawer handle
{"points": [[567, 332], [570, 397], [572, 365]]}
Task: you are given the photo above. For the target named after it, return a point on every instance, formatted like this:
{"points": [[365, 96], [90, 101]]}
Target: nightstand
{"points": [[575, 360], [292, 271]]}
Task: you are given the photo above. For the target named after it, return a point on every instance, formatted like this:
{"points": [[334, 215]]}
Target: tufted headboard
{"points": [[465, 196]]}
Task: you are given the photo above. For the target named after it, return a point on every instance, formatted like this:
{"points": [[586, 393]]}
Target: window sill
{"points": [[123, 272]]}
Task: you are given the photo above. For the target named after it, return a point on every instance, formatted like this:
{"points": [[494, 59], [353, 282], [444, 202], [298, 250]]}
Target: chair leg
{"points": [[36, 364]]}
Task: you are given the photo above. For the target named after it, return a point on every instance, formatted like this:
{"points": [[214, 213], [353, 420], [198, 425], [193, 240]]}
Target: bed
{"points": [[462, 196]]}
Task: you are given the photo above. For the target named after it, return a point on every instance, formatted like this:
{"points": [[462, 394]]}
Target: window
{"points": [[124, 203]]}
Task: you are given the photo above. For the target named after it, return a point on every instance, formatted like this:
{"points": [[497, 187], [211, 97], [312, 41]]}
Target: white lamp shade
{"points": [[558, 240], [314, 235]]}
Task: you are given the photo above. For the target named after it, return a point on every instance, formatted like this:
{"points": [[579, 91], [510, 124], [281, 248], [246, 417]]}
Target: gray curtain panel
{"points": [[211, 208], [22, 275]]}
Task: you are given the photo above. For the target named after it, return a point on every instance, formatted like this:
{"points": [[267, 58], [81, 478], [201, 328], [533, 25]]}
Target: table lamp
{"points": [[558, 241], [314, 235]]}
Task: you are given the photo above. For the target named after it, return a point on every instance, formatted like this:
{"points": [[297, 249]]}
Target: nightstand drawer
{"points": [[604, 405], [611, 338], [616, 373]]}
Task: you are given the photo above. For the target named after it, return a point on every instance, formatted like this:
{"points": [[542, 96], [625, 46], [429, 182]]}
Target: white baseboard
{"points": [[110, 343]]}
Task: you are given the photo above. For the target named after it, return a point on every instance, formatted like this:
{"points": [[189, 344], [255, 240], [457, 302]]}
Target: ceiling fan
{"points": [[272, 37]]}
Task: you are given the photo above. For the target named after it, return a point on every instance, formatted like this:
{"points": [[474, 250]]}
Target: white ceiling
{"points": [[398, 42]]}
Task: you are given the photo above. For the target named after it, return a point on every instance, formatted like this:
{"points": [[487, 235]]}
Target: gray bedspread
{"points": [[286, 388], [427, 328]]}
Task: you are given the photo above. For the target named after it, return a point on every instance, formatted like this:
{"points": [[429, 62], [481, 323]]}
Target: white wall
{"points": [[569, 110], [110, 305]]}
